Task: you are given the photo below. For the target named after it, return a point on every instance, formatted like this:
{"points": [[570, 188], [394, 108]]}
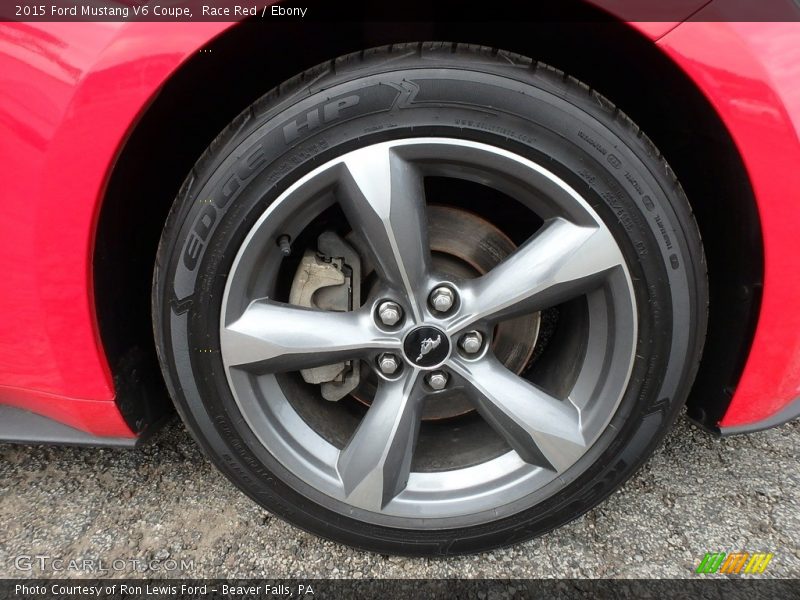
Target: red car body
{"points": [[72, 94]]}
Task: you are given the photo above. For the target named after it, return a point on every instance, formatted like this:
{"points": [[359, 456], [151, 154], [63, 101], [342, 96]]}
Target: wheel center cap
{"points": [[426, 346]]}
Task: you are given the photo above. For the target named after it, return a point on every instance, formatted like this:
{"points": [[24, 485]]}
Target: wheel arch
{"points": [[205, 94]]}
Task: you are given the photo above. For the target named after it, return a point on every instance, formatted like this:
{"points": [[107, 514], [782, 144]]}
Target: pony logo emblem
{"points": [[427, 345]]}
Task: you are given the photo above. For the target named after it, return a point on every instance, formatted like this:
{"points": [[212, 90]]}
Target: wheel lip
{"points": [[419, 482]]}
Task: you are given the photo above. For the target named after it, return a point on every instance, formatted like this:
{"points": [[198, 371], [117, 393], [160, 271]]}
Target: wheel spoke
{"points": [[273, 337], [542, 429], [383, 198], [375, 464], [561, 262]]}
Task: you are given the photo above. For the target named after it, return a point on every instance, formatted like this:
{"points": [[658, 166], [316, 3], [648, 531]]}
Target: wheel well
{"points": [[206, 93]]}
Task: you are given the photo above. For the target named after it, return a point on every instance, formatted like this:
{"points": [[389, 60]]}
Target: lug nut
{"points": [[437, 380], [471, 342], [390, 313], [388, 364], [442, 299]]}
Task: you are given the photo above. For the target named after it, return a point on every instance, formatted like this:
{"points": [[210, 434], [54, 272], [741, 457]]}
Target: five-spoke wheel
{"points": [[424, 332]]}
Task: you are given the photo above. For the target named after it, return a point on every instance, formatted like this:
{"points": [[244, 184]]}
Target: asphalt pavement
{"points": [[164, 511]]}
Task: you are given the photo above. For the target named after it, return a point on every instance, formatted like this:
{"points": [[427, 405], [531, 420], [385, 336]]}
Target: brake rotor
{"points": [[465, 246]]}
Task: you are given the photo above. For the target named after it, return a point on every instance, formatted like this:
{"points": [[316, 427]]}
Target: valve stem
{"points": [[284, 243]]}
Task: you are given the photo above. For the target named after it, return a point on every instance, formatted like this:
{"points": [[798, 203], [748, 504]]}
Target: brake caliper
{"points": [[330, 279]]}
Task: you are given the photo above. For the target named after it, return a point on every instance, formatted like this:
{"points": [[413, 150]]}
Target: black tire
{"points": [[438, 89]]}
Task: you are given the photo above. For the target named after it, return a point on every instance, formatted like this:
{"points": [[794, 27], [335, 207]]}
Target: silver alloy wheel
{"points": [[380, 190]]}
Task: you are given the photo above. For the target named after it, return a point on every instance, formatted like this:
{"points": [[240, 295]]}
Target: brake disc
{"points": [[465, 245]]}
